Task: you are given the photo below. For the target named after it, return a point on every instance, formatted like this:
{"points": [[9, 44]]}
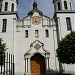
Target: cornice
{"points": [[10, 13], [65, 11]]}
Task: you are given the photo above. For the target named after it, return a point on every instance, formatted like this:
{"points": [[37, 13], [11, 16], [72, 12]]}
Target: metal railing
{"points": [[7, 65]]}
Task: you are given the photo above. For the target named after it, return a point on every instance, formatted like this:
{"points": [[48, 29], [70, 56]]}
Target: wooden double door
{"points": [[37, 64]]}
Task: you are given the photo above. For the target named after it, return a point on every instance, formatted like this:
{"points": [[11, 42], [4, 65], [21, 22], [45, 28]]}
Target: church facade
{"points": [[34, 39]]}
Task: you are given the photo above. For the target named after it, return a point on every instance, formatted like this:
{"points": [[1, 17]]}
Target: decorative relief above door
{"points": [[37, 46]]}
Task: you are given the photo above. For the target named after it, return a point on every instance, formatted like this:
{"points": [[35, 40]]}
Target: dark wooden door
{"points": [[37, 64]]}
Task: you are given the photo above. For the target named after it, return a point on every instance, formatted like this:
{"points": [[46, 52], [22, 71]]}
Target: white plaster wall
{"points": [[19, 45], [63, 32], [8, 35], [62, 23], [22, 44]]}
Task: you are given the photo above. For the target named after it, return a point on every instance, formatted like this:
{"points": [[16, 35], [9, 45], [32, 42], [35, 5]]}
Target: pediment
{"points": [[36, 47], [37, 42], [36, 14]]}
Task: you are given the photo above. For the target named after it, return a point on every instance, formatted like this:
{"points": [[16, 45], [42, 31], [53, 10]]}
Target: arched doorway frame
{"points": [[35, 47], [27, 59]]}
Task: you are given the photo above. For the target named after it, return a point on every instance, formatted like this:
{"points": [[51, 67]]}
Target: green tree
{"points": [[66, 49], [2, 50]]}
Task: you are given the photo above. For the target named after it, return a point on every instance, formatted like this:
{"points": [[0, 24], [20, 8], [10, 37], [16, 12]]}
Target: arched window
{"points": [[26, 33], [36, 34], [47, 33], [0, 7], [4, 25], [68, 22], [59, 7], [65, 4], [6, 6], [70, 6], [12, 7]]}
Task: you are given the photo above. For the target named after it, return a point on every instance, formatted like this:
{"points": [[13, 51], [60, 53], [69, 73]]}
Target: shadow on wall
{"points": [[54, 72]]}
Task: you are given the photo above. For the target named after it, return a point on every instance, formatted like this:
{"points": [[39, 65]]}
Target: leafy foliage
{"points": [[66, 49], [2, 50]]}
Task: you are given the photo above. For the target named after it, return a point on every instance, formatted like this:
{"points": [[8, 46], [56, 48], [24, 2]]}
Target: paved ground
{"points": [[58, 74], [55, 72]]}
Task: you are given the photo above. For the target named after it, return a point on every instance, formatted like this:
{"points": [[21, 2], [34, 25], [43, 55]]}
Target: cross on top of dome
{"points": [[34, 5]]}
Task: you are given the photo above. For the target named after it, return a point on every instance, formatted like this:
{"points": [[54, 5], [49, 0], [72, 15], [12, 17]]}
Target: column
{"points": [[47, 64], [29, 65], [26, 65]]}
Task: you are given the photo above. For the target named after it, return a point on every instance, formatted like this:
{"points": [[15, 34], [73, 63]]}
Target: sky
{"points": [[46, 6]]}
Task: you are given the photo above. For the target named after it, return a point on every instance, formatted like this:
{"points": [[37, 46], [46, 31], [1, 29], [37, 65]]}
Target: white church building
{"points": [[34, 39]]}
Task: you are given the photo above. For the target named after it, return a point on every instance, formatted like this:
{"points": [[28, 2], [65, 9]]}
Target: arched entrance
{"points": [[38, 64]]}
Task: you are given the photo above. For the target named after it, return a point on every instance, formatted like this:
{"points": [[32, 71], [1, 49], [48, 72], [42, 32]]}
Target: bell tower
{"points": [[64, 16], [8, 5], [61, 5], [8, 14]]}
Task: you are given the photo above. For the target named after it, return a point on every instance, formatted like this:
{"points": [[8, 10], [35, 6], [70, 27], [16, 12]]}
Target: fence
{"points": [[7, 64]]}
